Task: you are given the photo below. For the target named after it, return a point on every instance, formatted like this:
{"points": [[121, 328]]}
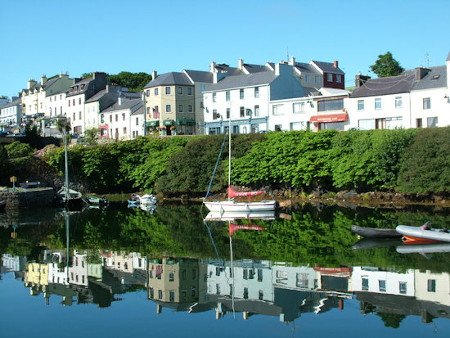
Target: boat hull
{"points": [[419, 232], [375, 232], [233, 206]]}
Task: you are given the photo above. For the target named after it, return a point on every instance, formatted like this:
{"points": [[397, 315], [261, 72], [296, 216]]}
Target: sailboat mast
{"points": [[66, 167], [229, 152]]}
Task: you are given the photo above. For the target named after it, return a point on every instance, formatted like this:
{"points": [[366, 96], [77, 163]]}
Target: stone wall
{"points": [[28, 198]]}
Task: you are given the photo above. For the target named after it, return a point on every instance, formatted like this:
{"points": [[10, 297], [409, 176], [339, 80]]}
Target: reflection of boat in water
{"points": [[371, 243], [96, 201], [230, 216], [422, 234], [424, 248], [151, 208], [375, 232]]}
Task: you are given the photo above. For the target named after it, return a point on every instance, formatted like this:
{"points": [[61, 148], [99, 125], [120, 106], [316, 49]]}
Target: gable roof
{"points": [[328, 67], [436, 78], [16, 102], [199, 75], [247, 80], [132, 104], [402, 83], [172, 78]]}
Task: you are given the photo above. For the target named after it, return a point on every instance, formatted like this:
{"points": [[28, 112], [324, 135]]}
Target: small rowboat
{"points": [[424, 249], [423, 234], [375, 232]]}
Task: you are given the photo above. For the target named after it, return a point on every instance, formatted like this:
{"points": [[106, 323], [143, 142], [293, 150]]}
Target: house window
{"points": [[330, 77], [123, 116], [137, 123], [124, 130], [215, 115], [180, 108], [110, 118], [364, 283], [79, 100], [171, 296], [256, 91], [189, 90], [327, 105], [74, 115], [261, 295], [156, 91], [245, 293], [431, 285], [418, 123], [168, 108], [338, 78], [228, 113], [398, 102], [116, 117], [360, 105], [257, 110], [306, 78], [276, 109], [167, 90], [180, 90], [171, 276], [241, 93], [298, 107], [147, 93], [382, 285], [432, 122], [160, 294], [242, 112], [260, 275], [217, 289], [426, 103], [227, 95], [402, 287], [190, 108], [378, 103], [214, 97], [73, 102]]}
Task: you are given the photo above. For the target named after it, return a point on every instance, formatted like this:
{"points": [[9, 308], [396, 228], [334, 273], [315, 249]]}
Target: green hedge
{"points": [[407, 161]]}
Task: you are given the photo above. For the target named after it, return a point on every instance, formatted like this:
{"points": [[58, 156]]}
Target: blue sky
{"points": [[52, 36]]}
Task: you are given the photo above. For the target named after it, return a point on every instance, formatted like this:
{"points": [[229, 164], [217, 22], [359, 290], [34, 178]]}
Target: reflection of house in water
{"points": [[414, 292], [15, 264], [275, 289], [78, 272], [173, 282]]}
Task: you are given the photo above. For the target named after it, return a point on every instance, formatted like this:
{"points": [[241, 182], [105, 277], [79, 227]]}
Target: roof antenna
{"points": [[427, 59]]}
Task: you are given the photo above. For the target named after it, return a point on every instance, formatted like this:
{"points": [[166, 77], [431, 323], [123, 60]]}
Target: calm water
{"points": [[128, 272]]}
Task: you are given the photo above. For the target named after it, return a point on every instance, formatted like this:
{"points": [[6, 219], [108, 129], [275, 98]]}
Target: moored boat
{"points": [[235, 206], [423, 233], [375, 232], [424, 248]]}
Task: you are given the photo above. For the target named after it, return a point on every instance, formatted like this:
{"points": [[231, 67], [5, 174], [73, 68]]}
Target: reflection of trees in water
{"points": [[391, 319], [309, 236]]}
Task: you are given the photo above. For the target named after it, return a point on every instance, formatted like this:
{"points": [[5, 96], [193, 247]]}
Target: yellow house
{"points": [[36, 277]]}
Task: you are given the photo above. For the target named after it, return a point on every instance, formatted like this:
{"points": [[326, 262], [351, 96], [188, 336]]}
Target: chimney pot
{"points": [[336, 64]]}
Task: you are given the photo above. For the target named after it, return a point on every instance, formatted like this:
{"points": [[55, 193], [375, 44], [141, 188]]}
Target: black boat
{"points": [[375, 232]]}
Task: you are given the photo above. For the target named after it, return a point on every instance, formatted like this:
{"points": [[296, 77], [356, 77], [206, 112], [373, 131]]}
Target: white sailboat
{"points": [[230, 205]]}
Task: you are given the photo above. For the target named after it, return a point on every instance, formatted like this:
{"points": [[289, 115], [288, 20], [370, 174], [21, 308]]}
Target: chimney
{"points": [[212, 67], [31, 83], [119, 100], [360, 80], [154, 75], [420, 73], [335, 64], [43, 79], [292, 61], [240, 63]]}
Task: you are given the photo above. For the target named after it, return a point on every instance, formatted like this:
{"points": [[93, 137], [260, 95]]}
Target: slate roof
{"points": [[386, 85], [133, 105], [247, 80], [78, 84], [172, 78], [46, 84], [436, 78], [255, 68], [301, 66], [16, 102], [199, 76], [328, 67]]}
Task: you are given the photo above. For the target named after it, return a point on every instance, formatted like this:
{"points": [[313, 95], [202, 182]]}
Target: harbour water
{"points": [[122, 272]]}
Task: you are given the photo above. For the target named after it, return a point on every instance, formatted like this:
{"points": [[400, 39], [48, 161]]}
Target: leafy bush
{"points": [[426, 162], [18, 149]]}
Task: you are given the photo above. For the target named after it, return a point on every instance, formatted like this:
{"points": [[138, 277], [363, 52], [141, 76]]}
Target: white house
{"points": [[417, 98], [93, 106], [124, 120], [76, 97], [11, 114]]}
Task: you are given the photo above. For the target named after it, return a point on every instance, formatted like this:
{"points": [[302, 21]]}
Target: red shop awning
{"points": [[329, 118]]}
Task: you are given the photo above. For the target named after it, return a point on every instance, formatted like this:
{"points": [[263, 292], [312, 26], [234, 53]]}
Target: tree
{"points": [[386, 65], [135, 82], [91, 136]]}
